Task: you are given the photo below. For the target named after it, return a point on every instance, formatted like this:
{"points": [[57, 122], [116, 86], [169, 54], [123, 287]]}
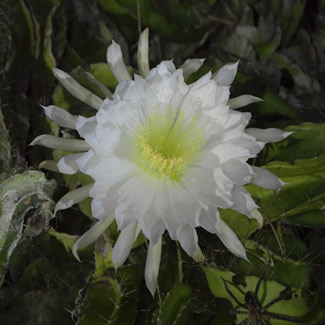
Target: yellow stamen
{"points": [[166, 144]]}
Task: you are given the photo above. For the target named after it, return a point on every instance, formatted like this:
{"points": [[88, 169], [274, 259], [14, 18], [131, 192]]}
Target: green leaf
{"points": [[303, 82], [19, 195], [282, 269], [274, 104], [102, 262], [303, 193], [5, 148], [307, 141], [66, 239], [288, 14], [174, 309], [113, 300], [47, 54], [297, 306]]}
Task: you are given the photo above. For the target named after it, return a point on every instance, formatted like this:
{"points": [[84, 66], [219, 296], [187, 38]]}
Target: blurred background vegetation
{"points": [[281, 48]]}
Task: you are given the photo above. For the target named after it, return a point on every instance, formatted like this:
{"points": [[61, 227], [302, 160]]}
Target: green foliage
{"points": [[113, 300], [295, 307], [28, 194], [175, 307]]}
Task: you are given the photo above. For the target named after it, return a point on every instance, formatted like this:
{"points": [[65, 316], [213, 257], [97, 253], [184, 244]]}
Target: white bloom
{"points": [[165, 155]]}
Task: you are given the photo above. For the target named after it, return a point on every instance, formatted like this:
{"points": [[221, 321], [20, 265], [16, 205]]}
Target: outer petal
{"points": [[73, 197], [226, 151], [239, 172], [226, 75], [152, 265], [242, 101], [116, 63], [258, 216], [124, 244], [209, 219], [264, 178], [68, 164], [268, 135], [143, 53], [190, 66], [60, 116], [243, 202], [50, 141], [188, 239], [91, 235], [76, 90], [230, 240], [49, 165]]}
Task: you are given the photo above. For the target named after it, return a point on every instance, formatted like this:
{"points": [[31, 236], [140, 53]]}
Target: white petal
{"points": [[68, 164], [207, 186], [248, 142], [124, 215], [183, 207], [188, 239], [257, 215], [268, 135], [91, 235], [133, 192], [230, 240], [242, 101], [224, 187], [198, 255], [100, 86], [85, 125], [102, 207], [227, 151], [265, 179], [102, 139], [116, 63], [50, 141], [209, 219], [49, 165], [170, 90], [143, 53], [155, 232], [163, 70], [239, 172], [73, 197], [243, 202], [201, 94], [171, 226], [76, 90], [152, 266], [226, 75], [236, 124], [124, 244], [60, 116], [86, 161], [190, 66]]}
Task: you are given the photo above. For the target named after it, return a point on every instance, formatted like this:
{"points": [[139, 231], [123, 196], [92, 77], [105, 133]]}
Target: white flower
{"points": [[164, 155]]}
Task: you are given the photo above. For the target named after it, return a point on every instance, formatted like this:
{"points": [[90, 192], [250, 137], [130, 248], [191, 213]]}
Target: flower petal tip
{"points": [[59, 74], [198, 256], [75, 252], [152, 290], [286, 134], [258, 217], [37, 140]]}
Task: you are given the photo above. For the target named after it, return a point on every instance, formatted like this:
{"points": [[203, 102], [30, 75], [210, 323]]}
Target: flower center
{"points": [[167, 143]]}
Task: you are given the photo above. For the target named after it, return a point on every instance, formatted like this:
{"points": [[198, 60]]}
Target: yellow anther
{"points": [[165, 147]]}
